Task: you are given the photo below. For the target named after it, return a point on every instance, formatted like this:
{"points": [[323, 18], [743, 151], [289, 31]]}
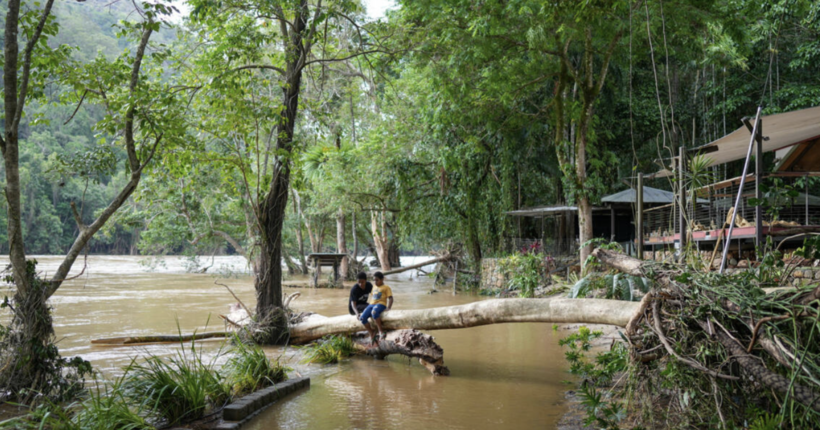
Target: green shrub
{"points": [[329, 350], [249, 369], [526, 270]]}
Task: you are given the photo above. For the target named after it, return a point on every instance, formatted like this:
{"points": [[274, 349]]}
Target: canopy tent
{"points": [[781, 130], [650, 196]]}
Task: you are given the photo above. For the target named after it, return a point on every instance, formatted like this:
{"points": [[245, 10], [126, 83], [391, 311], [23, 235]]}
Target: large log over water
{"points": [[496, 311]]}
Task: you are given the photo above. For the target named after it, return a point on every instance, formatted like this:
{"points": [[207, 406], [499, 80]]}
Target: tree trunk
{"points": [[394, 253], [380, 240], [622, 262], [341, 246], [10, 144], [418, 266], [355, 242], [584, 206], [270, 314], [555, 310], [297, 212]]}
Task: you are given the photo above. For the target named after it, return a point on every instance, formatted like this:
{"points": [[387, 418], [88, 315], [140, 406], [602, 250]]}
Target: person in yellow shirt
{"points": [[381, 299]]}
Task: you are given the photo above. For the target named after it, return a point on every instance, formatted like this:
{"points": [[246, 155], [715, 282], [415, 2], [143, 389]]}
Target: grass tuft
{"points": [[249, 369], [179, 389], [329, 350]]}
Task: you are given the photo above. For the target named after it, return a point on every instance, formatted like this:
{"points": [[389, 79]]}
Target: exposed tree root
{"points": [[410, 343]]}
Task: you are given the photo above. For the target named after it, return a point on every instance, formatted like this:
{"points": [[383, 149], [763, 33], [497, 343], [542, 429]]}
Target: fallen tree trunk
{"points": [[410, 343], [172, 338], [496, 311], [418, 266], [617, 260]]}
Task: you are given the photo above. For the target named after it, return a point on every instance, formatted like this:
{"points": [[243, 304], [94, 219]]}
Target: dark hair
{"points": [[362, 275], [378, 275]]}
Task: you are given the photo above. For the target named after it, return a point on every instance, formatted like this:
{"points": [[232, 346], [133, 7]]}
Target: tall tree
{"points": [[283, 37], [138, 110]]}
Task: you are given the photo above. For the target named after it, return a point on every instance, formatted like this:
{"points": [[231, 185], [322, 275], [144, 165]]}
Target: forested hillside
{"points": [[61, 149]]}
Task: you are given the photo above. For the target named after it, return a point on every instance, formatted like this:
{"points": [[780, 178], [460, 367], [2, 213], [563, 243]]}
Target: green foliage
{"points": [[110, 407], [181, 388], [249, 369], [615, 286], [601, 410], [777, 195], [329, 350], [527, 271]]}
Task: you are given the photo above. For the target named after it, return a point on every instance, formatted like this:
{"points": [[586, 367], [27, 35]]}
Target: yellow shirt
{"points": [[379, 295]]}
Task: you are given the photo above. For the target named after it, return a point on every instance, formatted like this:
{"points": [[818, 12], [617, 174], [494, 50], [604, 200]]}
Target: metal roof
{"points": [[782, 129], [650, 195], [546, 210]]}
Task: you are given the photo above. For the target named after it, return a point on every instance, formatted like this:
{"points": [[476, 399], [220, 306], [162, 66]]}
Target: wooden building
{"points": [[787, 187]]}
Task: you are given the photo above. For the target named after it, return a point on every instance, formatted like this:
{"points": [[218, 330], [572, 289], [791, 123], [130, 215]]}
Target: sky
{"points": [[376, 8]]}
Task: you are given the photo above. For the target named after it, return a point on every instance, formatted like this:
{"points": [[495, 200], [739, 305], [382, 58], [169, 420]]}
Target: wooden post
{"points": [[806, 192], [611, 223], [315, 272], [335, 271], [639, 226], [758, 192]]}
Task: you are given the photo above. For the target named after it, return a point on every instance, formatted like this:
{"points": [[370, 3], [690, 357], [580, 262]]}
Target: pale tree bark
{"points": [[419, 265], [300, 241], [380, 239], [495, 311], [341, 245], [14, 100]]}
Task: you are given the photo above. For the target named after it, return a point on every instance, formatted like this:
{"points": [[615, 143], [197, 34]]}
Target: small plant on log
{"points": [[329, 350]]}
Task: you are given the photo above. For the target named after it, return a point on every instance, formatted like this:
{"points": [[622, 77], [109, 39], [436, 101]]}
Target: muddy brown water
{"points": [[503, 376]]}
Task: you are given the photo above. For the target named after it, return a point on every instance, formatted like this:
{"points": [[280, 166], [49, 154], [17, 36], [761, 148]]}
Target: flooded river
{"points": [[503, 376]]}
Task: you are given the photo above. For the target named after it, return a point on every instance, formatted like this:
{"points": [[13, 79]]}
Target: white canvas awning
{"points": [[783, 130]]}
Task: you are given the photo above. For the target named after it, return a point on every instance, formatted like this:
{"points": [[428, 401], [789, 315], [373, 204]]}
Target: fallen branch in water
{"points": [[445, 257], [172, 338]]}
